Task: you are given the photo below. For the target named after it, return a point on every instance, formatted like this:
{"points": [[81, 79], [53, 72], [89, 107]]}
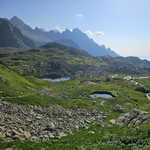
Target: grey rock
{"points": [[134, 116], [34, 138], [118, 108], [51, 135], [14, 132], [50, 126], [91, 132], [94, 102], [15, 137], [112, 121], [27, 135], [62, 134], [85, 127], [38, 117]]}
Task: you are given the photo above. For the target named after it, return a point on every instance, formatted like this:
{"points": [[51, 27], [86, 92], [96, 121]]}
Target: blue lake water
{"points": [[101, 95], [56, 80]]}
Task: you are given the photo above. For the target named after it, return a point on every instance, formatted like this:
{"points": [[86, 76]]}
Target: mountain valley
{"points": [[43, 115]]}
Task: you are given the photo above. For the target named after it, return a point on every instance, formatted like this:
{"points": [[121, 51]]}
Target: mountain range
{"points": [[75, 38]]}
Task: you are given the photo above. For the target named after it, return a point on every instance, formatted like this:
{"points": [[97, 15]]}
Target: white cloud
{"points": [[58, 28], [88, 33], [80, 15], [70, 30], [99, 33]]}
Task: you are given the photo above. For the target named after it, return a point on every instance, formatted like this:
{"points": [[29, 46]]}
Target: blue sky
{"points": [[122, 25]]}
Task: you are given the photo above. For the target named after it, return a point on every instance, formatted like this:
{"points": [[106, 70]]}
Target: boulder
{"points": [[91, 132], [112, 121], [50, 126], [51, 135], [118, 108], [94, 102], [27, 135], [133, 117]]}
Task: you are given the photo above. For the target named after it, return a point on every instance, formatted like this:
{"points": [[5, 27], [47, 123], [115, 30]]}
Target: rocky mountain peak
{"points": [[76, 30], [16, 20], [20, 24], [67, 31]]}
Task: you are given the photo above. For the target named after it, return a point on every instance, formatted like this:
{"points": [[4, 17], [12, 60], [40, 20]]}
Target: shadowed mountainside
{"points": [[11, 36]]}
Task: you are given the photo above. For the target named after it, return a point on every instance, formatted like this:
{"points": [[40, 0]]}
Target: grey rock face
{"points": [[118, 108], [133, 117]]}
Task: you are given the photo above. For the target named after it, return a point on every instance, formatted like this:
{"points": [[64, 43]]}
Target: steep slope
{"points": [[36, 34], [12, 37], [11, 84]]}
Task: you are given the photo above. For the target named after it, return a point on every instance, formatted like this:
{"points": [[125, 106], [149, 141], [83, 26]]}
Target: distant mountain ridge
{"points": [[57, 60], [76, 36], [11, 36], [87, 44]]}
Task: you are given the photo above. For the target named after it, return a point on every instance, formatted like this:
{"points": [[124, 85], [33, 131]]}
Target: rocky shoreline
{"points": [[39, 123]]}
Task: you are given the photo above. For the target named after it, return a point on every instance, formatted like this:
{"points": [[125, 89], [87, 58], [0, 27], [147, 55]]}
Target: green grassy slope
{"points": [[12, 84]]}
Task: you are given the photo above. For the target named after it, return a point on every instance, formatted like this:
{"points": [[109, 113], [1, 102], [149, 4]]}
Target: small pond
{"points": [[56, 80], [102, 94]]}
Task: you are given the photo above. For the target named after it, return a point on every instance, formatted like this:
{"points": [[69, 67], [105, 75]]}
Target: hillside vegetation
{"points": [[31, 96], [55, 59]]}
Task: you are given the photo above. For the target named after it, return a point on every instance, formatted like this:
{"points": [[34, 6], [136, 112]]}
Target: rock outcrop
{"points": [[118, 108], [134, 117]]}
